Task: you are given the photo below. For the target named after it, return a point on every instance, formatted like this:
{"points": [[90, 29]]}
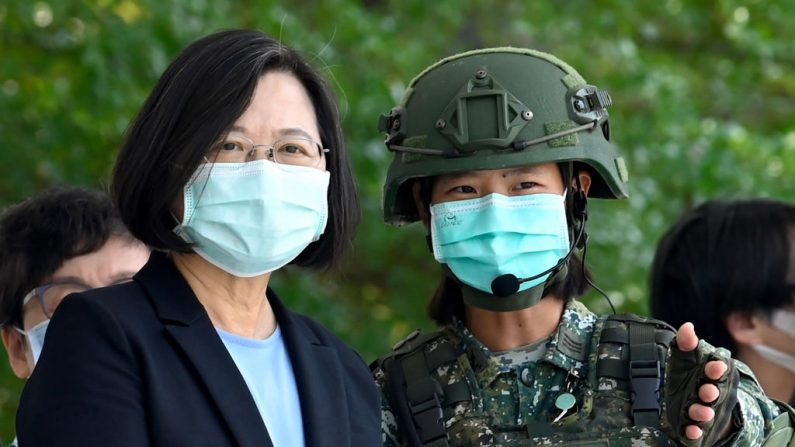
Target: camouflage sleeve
{"points": [[390, 437], [756, 410]]}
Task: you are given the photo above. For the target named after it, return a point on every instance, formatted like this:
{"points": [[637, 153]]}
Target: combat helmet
{"points": [[497, 108]]}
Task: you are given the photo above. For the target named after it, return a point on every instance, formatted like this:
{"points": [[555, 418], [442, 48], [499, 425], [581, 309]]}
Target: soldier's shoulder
{"points": [[413, 342]]}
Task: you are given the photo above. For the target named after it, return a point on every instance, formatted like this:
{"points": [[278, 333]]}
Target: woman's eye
{"points": [[291, 149], [231, 147], [526, 185], [464, 189]]}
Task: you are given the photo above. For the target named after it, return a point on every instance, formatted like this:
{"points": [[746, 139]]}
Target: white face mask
{"points": [[784, 321], [35, 337]]}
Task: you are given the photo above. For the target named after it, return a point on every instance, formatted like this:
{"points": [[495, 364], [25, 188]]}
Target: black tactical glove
{"points": [[683, 378]]}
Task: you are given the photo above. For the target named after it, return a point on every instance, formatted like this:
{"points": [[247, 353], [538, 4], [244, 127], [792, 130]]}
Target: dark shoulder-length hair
{"points": [[198, 98], [722, 258]]}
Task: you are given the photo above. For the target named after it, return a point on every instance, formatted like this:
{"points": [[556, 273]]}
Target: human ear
{"points": [[17, 349], [744, 328], [585, 181], [422, 207]]}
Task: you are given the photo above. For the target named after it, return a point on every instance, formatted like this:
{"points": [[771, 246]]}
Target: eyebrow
{"points": [[522, 170], [517, 171], [287, 131], [455, 176], [294, 131]]}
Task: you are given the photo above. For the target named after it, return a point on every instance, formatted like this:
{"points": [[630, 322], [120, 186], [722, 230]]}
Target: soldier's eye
{"points": [[526, 185], [464, 189]]}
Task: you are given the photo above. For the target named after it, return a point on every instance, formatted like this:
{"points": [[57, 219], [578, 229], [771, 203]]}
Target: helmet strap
{"points": [[576, 204]]}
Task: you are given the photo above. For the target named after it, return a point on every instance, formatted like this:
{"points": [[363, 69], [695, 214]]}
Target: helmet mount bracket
{"points": [[482, 99]]}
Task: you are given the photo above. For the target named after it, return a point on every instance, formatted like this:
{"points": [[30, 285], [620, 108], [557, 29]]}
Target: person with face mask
{"points": [[61, 241], [234, 168], [729, 267], [497, 152]]}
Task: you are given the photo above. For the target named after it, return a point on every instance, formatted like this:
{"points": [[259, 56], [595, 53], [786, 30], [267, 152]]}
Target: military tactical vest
{"points": [[617, 401]]}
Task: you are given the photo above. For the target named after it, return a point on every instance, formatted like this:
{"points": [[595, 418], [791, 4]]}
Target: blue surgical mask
{"points": [[481, 239], [253, 218], [35, 337]]}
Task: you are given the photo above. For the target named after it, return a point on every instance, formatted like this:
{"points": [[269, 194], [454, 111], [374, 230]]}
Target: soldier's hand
{"points": [[687, 341], [700, 391]]}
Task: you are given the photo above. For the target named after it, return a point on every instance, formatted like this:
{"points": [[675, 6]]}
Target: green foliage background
{"points": [[703, 94]]}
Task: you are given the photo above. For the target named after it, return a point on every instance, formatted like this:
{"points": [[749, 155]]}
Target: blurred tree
{"points": [[703, 95]]}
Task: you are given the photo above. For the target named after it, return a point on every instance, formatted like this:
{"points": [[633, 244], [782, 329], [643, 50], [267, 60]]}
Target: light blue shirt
{"points": [[266, 368]]}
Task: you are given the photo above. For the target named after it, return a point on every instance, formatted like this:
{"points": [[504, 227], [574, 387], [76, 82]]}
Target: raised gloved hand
{"points": [[700, 391]]}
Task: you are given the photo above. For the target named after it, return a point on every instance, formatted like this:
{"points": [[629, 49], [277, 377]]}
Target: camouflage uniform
{"points": [[518, 389], [501, 108]]}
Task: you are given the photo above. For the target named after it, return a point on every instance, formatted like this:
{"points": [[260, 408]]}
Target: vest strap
{"points": [[425, 396], [422, 404], [645, 375]]}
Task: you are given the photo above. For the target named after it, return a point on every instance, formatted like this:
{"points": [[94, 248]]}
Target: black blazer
{"points": [[140, 364]]}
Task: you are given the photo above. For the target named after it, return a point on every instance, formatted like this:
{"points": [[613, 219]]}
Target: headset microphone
{"points": [[508, 284]]}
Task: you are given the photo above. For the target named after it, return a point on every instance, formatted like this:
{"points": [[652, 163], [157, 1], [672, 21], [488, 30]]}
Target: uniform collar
{"points": [[567, 349], [570, 345]]}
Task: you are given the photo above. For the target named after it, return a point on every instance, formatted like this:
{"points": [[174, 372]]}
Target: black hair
{"points": [[198, 98], [722, 258], [41, 233], [447, 301]]}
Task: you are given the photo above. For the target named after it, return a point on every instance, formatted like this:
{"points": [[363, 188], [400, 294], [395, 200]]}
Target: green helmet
{"points": [[497, 108]]}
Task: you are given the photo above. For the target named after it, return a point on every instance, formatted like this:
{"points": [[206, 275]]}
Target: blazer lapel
{"points": [[189, 325], [319, 378]]}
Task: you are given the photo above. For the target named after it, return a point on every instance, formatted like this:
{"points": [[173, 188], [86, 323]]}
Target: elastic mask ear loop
{"points": [[190, 181], [174, 216]]}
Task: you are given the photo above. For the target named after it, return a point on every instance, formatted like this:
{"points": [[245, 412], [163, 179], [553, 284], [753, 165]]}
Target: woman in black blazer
{"points": [[234, 168]]}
